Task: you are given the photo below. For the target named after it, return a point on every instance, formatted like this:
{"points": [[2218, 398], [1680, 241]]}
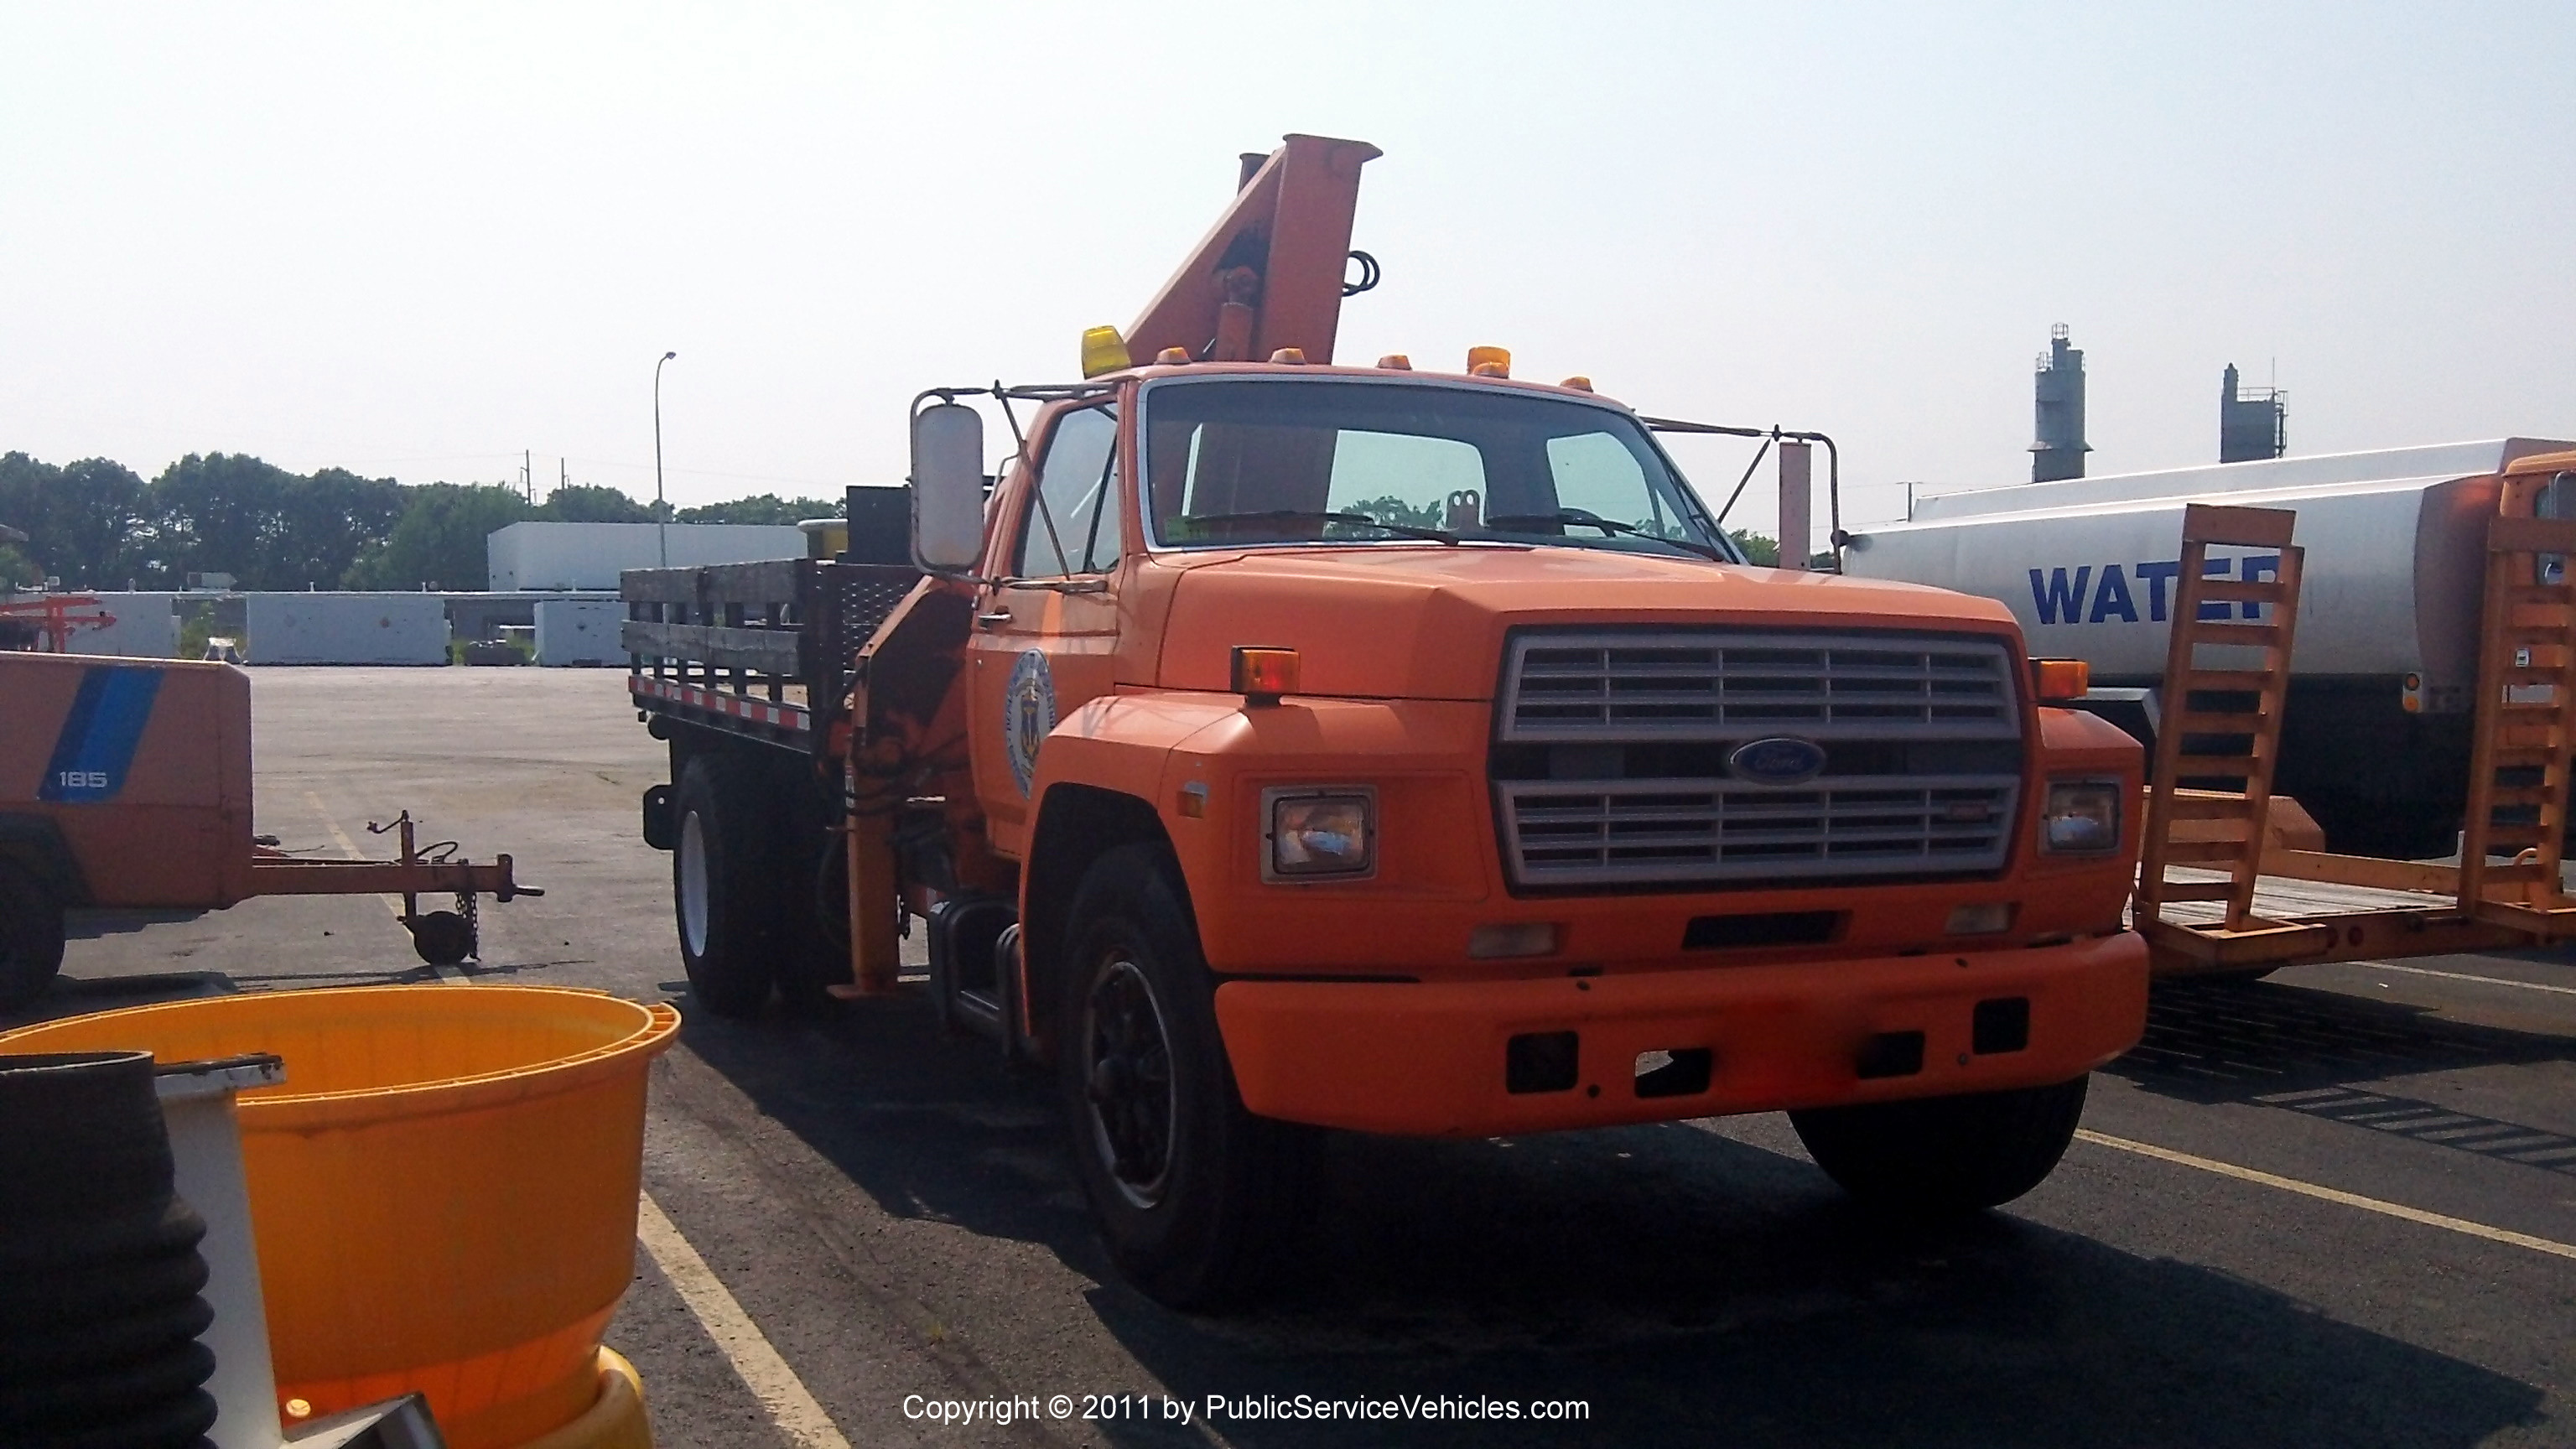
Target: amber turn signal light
{"points": [[2059, 680], [1262, 675]]}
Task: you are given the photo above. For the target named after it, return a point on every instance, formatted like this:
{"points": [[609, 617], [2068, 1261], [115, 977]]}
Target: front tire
{"points": [[725, 889], [31, 936], [1194, 1195], [1944, 1156]]}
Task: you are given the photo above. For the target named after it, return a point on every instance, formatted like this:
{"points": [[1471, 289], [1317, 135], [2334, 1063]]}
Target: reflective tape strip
{"points": [[785, 716]]}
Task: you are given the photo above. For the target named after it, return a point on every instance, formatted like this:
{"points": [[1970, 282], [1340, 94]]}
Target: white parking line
{"points": [[2462, 976], [348, 847], [791, 1406], [2328, 1194], [771, 1381]]}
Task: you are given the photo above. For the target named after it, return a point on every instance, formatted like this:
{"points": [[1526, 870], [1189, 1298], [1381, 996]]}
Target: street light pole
{"points": [[661, 511]]}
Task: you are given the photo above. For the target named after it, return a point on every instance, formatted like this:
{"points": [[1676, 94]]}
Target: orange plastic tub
{"points": [[443, 1189]]}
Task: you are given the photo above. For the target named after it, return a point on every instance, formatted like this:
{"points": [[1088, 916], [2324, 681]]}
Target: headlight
{"points": [[2082, 817], [1328, 832]]}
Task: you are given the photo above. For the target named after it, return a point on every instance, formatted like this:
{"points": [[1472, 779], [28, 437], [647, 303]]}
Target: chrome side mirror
{"points": [[947, 488]]}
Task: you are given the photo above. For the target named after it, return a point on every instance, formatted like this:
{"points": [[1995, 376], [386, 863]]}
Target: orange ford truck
{"points": [[1287, 746]]}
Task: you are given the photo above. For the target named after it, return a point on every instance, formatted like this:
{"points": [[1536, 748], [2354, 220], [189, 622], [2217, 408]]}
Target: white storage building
{"points": [[579, 631], [335, 628], [146, 627], [570, 556]]}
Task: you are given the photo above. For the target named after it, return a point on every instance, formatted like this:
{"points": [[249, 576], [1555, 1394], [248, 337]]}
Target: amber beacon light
{"points": [[1262, 675]]}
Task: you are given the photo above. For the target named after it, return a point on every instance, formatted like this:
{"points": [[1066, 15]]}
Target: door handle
{"points": [[993, 620]]}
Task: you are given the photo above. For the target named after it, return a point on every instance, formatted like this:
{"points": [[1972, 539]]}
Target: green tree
{"points": [[760, 508], [217, 512], [326, 523], [80, 520], [439, 541], [1392, 509], [1756, 547], [268, 528], [17, 571], [590, 503]]}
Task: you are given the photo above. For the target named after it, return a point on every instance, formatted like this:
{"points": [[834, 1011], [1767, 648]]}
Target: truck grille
{"points": [[1581, 833], [1611, 750], [1715, 684]]}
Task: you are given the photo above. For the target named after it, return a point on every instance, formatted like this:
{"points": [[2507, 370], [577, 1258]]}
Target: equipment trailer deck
{"points": [[2221, 892]]}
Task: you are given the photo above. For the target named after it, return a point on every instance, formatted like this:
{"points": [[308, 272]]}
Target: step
{"points": [[2227, 681], [2204, 853], [2195, 890]]}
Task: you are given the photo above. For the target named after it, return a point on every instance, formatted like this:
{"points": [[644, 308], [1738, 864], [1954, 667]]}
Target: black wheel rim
{"points": [[1127, 1081]]}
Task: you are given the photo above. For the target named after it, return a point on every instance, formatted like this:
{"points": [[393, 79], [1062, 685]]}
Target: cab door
{"points": [[1046, 628]]}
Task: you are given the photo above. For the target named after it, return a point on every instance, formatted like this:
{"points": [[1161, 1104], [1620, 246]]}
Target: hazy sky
{"points": [[414, 240]]}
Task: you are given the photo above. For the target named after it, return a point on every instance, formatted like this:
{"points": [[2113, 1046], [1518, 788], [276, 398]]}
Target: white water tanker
{"points": [[2376, 739]]}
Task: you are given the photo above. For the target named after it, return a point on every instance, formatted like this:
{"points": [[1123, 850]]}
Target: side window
{"points": [[1074, 522]]}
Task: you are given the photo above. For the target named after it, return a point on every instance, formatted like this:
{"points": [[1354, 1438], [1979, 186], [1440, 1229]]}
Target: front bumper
{"points": [[1429, 1059]]}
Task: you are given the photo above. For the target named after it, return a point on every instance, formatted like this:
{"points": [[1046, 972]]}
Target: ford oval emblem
{"points": [[1779, 760]]}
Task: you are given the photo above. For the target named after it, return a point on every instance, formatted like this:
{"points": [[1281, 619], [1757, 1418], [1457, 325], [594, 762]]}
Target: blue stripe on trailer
{"points": [[99, 735]]}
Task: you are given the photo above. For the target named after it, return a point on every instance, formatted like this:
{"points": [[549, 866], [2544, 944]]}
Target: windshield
{"points": [[1280, 461]]}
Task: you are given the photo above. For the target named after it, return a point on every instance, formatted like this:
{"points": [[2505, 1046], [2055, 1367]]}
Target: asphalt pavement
{"points": [[2336, 1207]]}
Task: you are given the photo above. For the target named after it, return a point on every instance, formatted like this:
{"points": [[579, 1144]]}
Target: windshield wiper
{"points": [[1311, 515], [1585, 517]]}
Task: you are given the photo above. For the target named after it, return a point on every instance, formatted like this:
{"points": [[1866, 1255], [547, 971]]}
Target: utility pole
{"points": [[528, 473], [661, 510]]}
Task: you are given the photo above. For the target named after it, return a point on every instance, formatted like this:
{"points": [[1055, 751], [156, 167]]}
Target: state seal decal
{"points": [[1028, 714]]}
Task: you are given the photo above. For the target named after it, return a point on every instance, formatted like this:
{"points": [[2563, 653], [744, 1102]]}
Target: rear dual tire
{"points": [[724, 886]]}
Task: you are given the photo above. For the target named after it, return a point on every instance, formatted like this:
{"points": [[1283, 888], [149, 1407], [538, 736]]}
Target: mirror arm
{"points": [[1085, 584]]}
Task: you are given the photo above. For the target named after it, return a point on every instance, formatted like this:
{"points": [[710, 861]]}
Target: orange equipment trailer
{"points": [[1290, 746], [126, 784]]}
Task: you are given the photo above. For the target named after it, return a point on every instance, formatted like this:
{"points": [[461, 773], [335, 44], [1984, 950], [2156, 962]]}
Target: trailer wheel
{"points": [[1193, 1194], [31, 936], [1944, 1156], [441, 938], [724, 894]]}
